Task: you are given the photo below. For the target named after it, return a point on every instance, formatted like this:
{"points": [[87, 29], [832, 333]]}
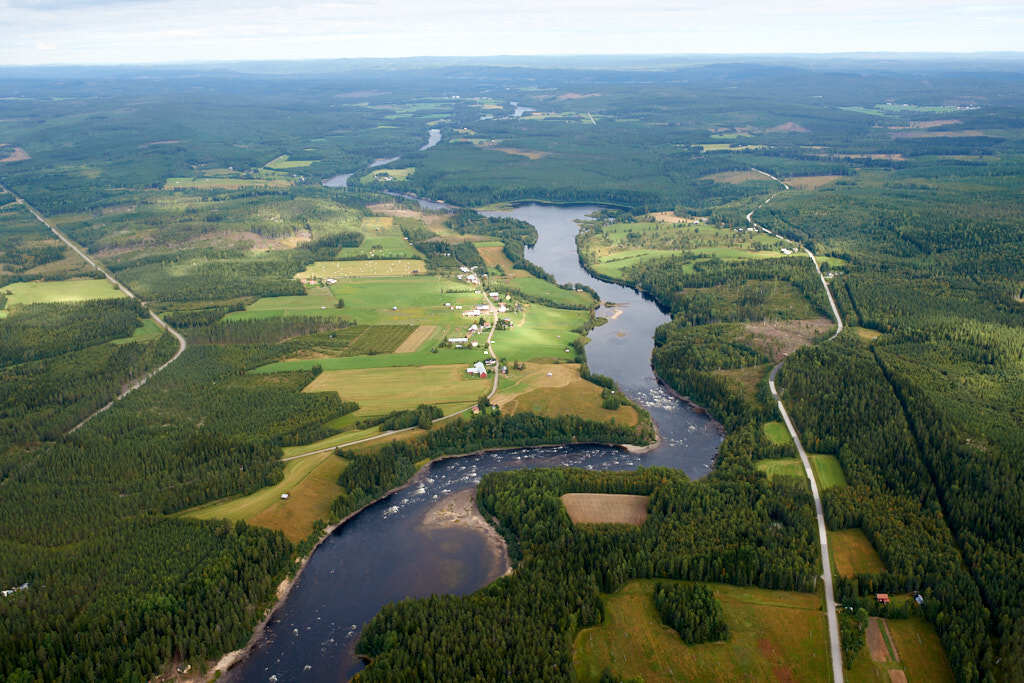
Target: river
{"points": [[387, 552]]}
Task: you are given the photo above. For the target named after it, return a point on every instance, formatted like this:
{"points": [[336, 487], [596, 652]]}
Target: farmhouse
{"points": [[882, 598], [477, 369]]}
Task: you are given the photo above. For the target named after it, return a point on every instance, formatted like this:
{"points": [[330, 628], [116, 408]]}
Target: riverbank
{"points": [[460, 511], [236, 657]]}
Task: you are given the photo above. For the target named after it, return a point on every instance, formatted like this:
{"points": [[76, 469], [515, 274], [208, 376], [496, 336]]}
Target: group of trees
{"points": [[692, 610]]}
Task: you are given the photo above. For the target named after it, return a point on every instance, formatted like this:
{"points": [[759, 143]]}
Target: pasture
{"points": [[606, 508], [321, 270], [811, 182], [465, 357], [774, 635], [59, 291], [218, 183], [147, 331], [553, 389], [852, 553], [419, 299], [532, 286], [382, 390]]}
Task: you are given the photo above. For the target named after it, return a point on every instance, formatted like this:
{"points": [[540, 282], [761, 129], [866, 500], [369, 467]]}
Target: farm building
{"points": [[882, 598], [477, 369], [458, 340]]}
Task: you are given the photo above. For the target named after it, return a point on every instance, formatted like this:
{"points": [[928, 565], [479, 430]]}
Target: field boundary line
{"points": [[132, 386]]}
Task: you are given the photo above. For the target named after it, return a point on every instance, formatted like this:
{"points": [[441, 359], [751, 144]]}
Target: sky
{"points": [[165, 31]]}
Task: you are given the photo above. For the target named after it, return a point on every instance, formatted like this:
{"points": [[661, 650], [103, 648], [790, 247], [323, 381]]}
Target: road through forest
{"points": [[135, 384], [826, 564]]}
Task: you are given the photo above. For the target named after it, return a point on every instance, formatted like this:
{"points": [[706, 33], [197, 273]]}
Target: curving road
{"points": [[826, 564], [182, 344]]}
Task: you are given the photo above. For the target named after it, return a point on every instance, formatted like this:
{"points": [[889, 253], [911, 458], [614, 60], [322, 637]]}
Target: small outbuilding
{"points": [[882, 598]]}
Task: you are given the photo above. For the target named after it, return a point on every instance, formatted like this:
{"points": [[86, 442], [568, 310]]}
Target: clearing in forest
{"points": [[852, 553], [773, 636], [532, 155], [55, 291], [16, 154], [827, 471], [782, 467], [811, 182], [901, 650], [780, 338], [606, 508], [736, 177]]}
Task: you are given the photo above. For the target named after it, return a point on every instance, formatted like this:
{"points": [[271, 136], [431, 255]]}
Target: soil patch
{"points": [[788, 127], [416, 339], [18, 154], [876, 644], [605, 508], [671, 217]]}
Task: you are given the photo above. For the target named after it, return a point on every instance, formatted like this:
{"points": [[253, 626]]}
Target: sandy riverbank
{"points": [[459, 510]]}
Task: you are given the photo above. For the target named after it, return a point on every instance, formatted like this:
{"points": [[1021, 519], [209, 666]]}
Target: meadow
{"points": [[539, 333], [773, 635], [322, 270]]}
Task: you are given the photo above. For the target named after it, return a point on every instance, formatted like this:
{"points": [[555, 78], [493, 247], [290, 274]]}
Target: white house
{"points": [[494, 295], [458, 340]]}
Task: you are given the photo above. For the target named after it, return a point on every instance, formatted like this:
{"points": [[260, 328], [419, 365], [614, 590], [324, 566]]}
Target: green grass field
{"points": [[543, 333], [852, 553], [316, 301], [774, 635], [223, 183], [827, 471], [419, 299], [54, 291], [534, 286], [777, 433]]}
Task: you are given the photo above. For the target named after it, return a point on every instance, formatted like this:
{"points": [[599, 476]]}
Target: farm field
{"points": [[909, 648], [372, 268], [852, 553], [532, 286], [606, 508], [419, 299], [381, 360], [303, 488], [577, 397], [382, 390], [774, 635], [59, 291], [224, 183]]}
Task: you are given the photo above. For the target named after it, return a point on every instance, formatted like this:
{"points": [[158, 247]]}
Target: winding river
{"points": [[390, 551]]}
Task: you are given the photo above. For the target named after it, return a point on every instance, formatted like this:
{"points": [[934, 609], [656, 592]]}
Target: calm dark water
{"points": [[385, 553]]}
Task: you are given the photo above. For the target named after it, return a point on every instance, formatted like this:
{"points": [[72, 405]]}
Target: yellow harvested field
{"points": [[370, 268], [605, 508], [415, 340], [381, 390], [735, 177], [308, 501], [563, 392], [811, 182], [222, 183], [529, 154], [671, 217]]}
